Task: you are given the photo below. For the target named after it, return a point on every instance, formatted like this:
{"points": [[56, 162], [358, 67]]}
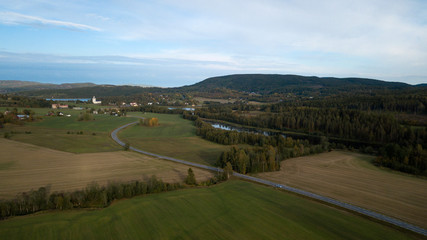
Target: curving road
{"points": [[331, 201]]}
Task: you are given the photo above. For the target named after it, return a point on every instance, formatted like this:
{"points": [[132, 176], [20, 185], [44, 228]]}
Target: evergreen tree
{"points": [[191, 179]]}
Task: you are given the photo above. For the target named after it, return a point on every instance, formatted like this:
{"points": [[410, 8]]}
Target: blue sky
{"points": [[175, 42]]}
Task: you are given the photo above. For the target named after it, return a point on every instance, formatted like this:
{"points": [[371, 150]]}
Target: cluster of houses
{"points": [[17, 116], [59, 106]]}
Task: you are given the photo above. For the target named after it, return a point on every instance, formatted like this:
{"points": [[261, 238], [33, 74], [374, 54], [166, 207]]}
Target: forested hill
{"points": [[274, 83], [10, 86], [263, 84], [85, 92]]}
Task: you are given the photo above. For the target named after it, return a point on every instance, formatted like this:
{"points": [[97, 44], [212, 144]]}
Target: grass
{"points": [[60, 133], [102, 122], [174, 137], [24, 167], [232, 210], [351, 177], [37, 111]]}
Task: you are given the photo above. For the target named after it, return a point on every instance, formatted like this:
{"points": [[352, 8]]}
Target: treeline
{"points": [[412, 100], [21, 101], [154, 109], [409, 159], [341, 123], [93, 196]]}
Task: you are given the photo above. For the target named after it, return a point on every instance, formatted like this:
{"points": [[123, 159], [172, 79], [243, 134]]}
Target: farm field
{"points": [[60, 133], [223, 101], [350, 177], [231, 210], [24, 167], [203, 99], [174, 137]]}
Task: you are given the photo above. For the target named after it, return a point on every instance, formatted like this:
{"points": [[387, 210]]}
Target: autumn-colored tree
{"points": [[228, 170], [150, 122]]}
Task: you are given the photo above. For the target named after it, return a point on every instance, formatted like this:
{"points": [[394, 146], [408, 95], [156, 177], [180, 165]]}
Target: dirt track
{"points": [[348, 177], [24, 167]]}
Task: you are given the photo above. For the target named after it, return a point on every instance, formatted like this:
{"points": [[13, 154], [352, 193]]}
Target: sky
{"points": [[171, 43]]}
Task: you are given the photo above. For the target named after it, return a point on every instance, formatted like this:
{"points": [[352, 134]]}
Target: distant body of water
{"points": [[69, 99], [240, 129], [186, 109]]}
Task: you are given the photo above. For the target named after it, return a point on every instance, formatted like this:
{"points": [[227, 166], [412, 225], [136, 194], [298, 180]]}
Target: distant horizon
{"points": [[153, 86]]}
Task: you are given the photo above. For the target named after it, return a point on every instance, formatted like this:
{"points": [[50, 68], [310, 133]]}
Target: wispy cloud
{"points": [[13, 18], [380, 39]]}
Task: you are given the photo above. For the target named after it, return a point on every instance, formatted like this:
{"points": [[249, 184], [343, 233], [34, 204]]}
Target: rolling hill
{"points": [[263, 84], [10, 86], [274, 83]]}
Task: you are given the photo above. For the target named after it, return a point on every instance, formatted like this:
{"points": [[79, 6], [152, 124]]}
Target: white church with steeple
{"points": [[94, 101]]}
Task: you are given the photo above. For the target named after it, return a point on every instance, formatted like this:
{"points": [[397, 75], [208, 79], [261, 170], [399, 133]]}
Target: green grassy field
{"points": [[60, 133], [232, 210], [102, 122], [174, 137]]}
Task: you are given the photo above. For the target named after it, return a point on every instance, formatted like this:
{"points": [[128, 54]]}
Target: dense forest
{"points": [[399, 146], [21, 101], [267, 84]]}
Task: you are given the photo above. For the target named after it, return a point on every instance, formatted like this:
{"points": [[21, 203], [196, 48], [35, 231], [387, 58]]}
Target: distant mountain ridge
{"points": [[262, 84], [275, 83], [11, 86]]}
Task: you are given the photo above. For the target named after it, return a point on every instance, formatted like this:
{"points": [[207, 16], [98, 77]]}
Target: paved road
{"points": [[287, 188]]}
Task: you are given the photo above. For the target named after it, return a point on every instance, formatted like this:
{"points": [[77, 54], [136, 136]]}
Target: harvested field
{"points": [[350, 177], [24, 167]]}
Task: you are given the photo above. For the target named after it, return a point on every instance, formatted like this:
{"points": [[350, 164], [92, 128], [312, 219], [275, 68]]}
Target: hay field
{"points": [[350, 177], [24, 167]]}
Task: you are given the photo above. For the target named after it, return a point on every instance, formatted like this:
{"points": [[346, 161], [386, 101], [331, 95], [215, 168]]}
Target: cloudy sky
{"points": [[177, 42]]}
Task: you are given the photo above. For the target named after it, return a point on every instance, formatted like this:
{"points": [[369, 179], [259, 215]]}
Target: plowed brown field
{"points": [[351, 178]]}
